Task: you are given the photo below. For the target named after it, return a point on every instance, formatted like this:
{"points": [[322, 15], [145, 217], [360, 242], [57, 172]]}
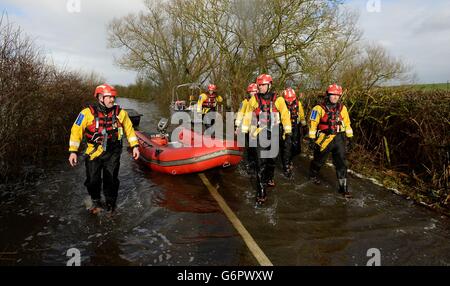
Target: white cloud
{"points": [[75, 40], [416, 31]]}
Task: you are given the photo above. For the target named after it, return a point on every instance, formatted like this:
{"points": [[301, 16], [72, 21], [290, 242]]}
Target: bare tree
{"points": [[230, 42], [372, 66]]}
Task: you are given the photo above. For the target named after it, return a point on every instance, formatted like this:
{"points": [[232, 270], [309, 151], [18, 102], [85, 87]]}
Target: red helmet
{"points": [[212, 87], [289, 95], [334, 89], [253, 87], [105, 89], [264, 79]]}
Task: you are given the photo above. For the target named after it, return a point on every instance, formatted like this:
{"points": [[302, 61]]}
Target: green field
{"points": [[432, 86]]}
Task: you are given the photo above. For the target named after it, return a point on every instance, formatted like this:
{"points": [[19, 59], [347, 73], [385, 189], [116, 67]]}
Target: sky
{"points": [[417, 32], [73, 33]]}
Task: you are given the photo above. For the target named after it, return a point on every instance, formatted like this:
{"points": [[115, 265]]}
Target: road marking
{"points": [[246, 236]]}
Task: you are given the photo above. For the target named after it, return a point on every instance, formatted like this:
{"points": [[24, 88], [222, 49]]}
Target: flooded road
{"points": [[173, 220]]}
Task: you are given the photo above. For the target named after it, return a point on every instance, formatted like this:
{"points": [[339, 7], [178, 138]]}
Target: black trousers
{"points": [[250, 156], [337, 149], [213, 121], [264, 167], [291, 147], [108, 163]]}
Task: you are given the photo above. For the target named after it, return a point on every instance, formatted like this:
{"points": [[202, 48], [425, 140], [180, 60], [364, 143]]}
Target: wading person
{"points": [[330, 132], [103, 125], [207, 102], [250, 152], [267, 109], [298, 129]]}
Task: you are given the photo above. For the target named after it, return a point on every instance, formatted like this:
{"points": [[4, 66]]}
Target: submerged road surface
{"points": [[174, 220]]}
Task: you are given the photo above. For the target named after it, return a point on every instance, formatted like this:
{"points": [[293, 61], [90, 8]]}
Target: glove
{"points": [[312, 144], [350, 144]]}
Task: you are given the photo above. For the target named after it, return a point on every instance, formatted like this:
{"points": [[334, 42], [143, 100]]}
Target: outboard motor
{"points": [[162, 125], [161, 138]]}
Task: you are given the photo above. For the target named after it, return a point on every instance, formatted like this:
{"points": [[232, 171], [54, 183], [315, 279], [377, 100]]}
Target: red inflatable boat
{"points": [[190, 153]]}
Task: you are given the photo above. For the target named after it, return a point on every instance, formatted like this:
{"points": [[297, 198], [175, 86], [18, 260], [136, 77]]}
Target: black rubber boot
{"points": [[315, 180], [261, 196], [288, 170], [96, 207], [343, 189], [111, 205]]}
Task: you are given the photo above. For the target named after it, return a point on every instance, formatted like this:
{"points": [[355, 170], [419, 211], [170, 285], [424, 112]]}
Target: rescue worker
{"points": [[207, 102], [330, 132], [267, 109], [249, 154], [103, 125], [252, 89], [298, 123]]}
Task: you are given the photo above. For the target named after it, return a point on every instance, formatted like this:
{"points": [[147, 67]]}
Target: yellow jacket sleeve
{"points": [[252, 104], [200, 101], [314, 119], [128, 128], [219, 99], [84, 118], [280, 104], [241, 113], [301, 114], [347, 124]]}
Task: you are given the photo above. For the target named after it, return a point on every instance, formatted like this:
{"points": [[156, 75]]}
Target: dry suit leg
{"points": [[266, 165], [213, 120], [286, 152], [338, 155], [260, 188], [319, 159], [249, 153], [296, 141], [93, 181], [111, 165], [268, 169]]}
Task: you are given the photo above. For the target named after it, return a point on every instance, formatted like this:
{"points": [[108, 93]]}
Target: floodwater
{"points": [[173, 220]]}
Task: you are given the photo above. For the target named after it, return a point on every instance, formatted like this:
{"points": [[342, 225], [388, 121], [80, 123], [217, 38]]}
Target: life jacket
{"points": [[210, 101], [293, 109], [102, 121], [331, 122], [265, 108]]}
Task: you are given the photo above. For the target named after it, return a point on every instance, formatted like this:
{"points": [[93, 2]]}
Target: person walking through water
{"points": [[249, 152], [330, 132], [269, 111], [103, 125], [298, 130]]}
